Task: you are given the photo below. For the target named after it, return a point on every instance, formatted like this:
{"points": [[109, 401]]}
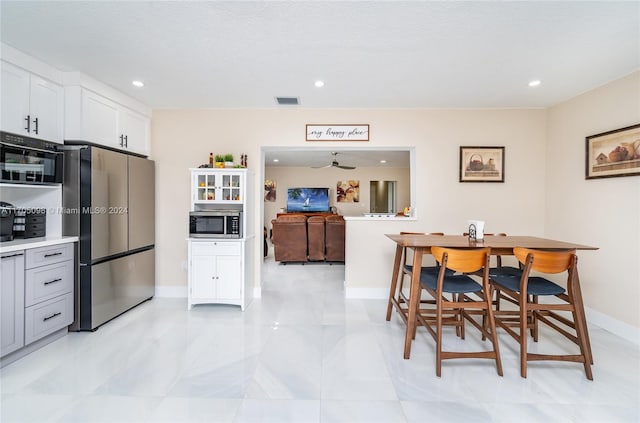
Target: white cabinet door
{"points": [[46, 107], [15, 99], [31, 105], [203, 270], [134, 127], [229, 277], [99, 119], [11, 303], [215, 272]]}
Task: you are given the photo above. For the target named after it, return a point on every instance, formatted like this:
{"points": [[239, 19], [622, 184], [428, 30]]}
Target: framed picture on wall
{"points": [[481, 164], [613, 153], [269, 190]]}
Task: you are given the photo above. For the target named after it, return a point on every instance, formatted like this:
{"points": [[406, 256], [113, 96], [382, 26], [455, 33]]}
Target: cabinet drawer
{"points": [[45, 282], [47, 317], [48, 255], [216, 248], [35, 218]]}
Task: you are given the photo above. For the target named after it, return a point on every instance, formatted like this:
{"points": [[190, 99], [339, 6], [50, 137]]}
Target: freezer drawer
{"points": [[119, 284]]}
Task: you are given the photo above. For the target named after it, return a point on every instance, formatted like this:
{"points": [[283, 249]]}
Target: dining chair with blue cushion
{"points": [[454, 278], [525, 290]]}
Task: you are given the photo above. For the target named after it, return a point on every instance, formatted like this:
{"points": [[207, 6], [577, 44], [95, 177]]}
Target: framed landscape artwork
{"points": [[613, 153], [481, 164]]}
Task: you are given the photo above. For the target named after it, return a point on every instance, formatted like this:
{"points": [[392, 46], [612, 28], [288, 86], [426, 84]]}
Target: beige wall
{"points": [[544, 193], [183, 138], [600, 212]]}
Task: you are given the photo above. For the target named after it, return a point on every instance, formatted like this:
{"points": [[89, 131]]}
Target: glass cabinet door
{"points": [[231, 187], [218, 187], [206, 187]]}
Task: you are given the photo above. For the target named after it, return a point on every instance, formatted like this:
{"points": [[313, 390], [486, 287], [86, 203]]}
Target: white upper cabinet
{"points": [[31, 105], [95, 118], [134, 131], [99, 120]]}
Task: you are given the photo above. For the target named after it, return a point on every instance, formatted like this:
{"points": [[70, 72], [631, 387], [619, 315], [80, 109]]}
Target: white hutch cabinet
{"points": [[221, 269]]}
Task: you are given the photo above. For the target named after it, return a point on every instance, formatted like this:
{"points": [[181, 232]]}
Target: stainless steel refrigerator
{"points": [[109, 203]]}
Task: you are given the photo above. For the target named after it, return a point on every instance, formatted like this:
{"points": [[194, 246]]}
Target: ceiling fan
{"points": [[334, 163]]}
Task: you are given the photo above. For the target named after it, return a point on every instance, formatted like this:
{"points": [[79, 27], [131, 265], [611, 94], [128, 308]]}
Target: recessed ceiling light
{"points": [[383, 161], [535, 83], [276, 160], [138, 84], [319, 84]]}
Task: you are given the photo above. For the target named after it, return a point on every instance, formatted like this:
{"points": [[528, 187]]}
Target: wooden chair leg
{"points": [[439, 337], [494, 335], [534, 320], [523, 339], [582, 340]]}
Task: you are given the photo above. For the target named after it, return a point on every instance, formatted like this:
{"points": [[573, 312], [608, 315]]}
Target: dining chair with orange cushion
{"points": [[526, 290], [462, 262]]}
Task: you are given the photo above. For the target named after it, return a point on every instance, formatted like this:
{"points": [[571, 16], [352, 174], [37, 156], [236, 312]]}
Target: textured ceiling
{"points": [[371, 54]]}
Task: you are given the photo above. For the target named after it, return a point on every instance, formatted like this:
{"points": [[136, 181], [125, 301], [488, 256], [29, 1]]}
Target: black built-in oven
{"points": [[25, 160]]}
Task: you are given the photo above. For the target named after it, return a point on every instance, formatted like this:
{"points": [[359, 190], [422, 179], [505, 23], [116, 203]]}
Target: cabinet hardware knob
{"points": [[36, 122], [126, 141], [52, 316], [55, 280], [121, 140], [52, 254], [28, 119]]}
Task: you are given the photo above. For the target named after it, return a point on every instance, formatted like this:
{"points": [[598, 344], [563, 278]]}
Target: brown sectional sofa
{"points": [[298, 238]]}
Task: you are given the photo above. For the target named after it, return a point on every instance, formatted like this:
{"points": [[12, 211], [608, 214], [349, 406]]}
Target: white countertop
{"points": [[381, 216], [23, 244]]}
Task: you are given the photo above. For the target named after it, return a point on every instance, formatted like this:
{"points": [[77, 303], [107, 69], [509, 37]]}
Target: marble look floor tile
{"points": [[34, 408], [445, 411], [290, 364], [278, 411], [195, 410], [102, 408], [362, 411], [304, 353], [353, 366]]}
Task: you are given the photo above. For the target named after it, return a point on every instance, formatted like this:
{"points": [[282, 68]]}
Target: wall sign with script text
{"points": [[337, 132]]}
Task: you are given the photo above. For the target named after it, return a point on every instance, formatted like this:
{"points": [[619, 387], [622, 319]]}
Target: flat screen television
{"points": [[307, 200]]}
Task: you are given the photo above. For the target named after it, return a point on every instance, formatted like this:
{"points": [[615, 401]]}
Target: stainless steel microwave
{"points": [[25, 160], [215, 224]]}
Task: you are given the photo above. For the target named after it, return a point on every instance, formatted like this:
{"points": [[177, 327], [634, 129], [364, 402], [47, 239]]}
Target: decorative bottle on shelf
{"points": [[210, 159]]}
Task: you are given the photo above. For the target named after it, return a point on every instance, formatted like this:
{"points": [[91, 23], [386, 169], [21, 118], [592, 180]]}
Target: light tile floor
{"points": [[302, 353]]}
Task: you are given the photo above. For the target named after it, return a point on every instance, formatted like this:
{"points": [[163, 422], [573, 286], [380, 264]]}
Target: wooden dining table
{"points": [[499, 245]]}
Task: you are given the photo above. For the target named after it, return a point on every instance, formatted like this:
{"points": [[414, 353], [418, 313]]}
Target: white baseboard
{"points": [[366, 293], [617, 327], [171, 291]]}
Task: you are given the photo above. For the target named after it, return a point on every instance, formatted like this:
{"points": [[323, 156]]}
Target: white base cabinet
{"points": [[12, 302], [37, 294], [217, 272]]}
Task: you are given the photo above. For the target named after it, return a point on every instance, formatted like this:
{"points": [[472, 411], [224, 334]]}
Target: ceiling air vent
{"points": [[287, 101]]}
